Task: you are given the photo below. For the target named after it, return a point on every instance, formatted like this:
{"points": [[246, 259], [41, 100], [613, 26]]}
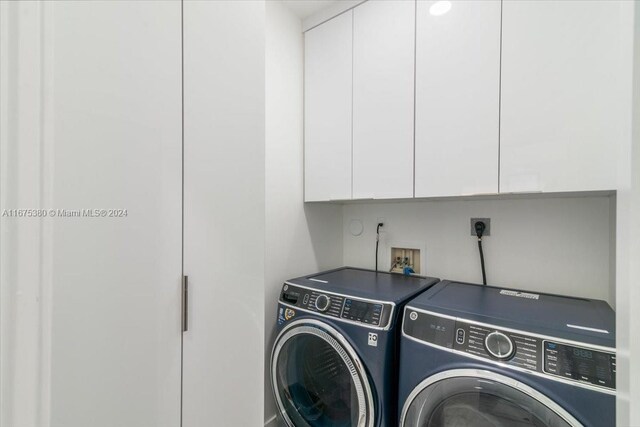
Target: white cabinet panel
{"points": [[565, 94], [224, 213], [117, 139], [328, 108], [383, 99], [457, 98], [91, 100]]}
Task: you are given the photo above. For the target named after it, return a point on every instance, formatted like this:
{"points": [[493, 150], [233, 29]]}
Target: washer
{"points": [[334, 361], [487, 357]]}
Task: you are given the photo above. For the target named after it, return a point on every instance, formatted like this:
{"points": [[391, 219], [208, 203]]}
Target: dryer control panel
{"points": [[346, 308], [519, 350], [581, 364], [496, 344]]}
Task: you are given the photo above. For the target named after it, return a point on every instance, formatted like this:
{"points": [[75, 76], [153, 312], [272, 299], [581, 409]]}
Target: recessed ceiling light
{"points": [[440, 7]]}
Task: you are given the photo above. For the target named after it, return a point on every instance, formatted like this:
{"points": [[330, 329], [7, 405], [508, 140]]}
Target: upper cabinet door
{"points": [[328, 109], [566, 87], [383, 99], [457, 98]]}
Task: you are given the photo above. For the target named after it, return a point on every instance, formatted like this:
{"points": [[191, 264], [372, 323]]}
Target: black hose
{"points": [[484, 274], [377, 242]]}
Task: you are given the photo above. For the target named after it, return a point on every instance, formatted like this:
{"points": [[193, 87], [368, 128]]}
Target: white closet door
{"points": [[566, 88], [224, 223], [328, 106], [457, 98], [91, 114], [383, 98]]}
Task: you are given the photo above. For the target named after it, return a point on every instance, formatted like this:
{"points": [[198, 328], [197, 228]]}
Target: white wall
{"points": [[558, 245], [299, 239]]}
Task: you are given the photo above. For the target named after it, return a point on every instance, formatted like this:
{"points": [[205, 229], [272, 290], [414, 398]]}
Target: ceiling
{"points": [[305, 8]]}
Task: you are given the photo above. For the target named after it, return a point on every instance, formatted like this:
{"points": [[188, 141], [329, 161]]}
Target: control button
{"points": [[460, 336], [499, 345], [305, 300], [322, 303]]}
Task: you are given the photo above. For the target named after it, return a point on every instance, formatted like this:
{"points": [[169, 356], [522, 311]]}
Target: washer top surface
{"points": [[578, 319], [356, 282]]}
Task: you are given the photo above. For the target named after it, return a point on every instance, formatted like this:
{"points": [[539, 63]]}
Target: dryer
{"points": [[334, 361], [484, 356]]}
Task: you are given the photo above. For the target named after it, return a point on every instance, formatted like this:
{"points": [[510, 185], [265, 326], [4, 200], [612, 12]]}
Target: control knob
{"points": [[322, 303], [499, 345]]}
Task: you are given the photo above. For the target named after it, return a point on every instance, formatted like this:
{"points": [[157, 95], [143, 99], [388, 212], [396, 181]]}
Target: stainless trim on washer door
{"points": [[338, 342], [488, 375]]}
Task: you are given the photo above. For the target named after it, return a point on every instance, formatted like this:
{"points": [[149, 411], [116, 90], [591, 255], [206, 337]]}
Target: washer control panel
{"points": [[362, 311], [513, 349], [368, 313]]}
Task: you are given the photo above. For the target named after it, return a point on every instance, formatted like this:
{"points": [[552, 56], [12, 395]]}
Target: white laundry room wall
{"points": [[555, 244], [300, 239]]}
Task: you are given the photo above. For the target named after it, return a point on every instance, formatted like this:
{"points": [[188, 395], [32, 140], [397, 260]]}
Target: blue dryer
{"points": [[482, 356], [334, 361]]}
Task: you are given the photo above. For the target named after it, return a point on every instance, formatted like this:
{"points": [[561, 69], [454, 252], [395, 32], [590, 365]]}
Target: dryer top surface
{"points": [[356, 282], [580, 319]]}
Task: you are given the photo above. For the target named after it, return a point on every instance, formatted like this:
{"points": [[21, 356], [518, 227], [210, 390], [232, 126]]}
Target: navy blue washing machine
{"points": [[482, 356], [334, 361]]}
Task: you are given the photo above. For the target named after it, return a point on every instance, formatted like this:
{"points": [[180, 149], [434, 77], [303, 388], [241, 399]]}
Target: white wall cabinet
{"points": [[457, 98], [328, 109], [566, 82], [383, 94], [527, 96]]}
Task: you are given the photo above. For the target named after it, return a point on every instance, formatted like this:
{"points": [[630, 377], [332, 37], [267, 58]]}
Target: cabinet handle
{"points": [[185, 303]]}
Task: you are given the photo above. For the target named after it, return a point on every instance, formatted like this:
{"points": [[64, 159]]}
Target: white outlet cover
{"points": [[355, 227]]}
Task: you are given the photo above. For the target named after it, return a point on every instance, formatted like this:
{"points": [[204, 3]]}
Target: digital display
{"points": [[429, 328], [580, 364], [362, 311], [584, 354]]}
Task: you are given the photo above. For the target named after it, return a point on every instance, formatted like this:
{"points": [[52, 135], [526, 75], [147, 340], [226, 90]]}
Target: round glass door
{"points": [[468, 397], [318, 379]]}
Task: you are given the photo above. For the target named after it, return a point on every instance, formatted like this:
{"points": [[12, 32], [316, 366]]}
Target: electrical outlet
{"points": [[383, 229], [487, 223]]}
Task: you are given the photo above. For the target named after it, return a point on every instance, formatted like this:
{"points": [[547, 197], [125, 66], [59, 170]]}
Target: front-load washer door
{"points": [[478, 398], [318, 379]]}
